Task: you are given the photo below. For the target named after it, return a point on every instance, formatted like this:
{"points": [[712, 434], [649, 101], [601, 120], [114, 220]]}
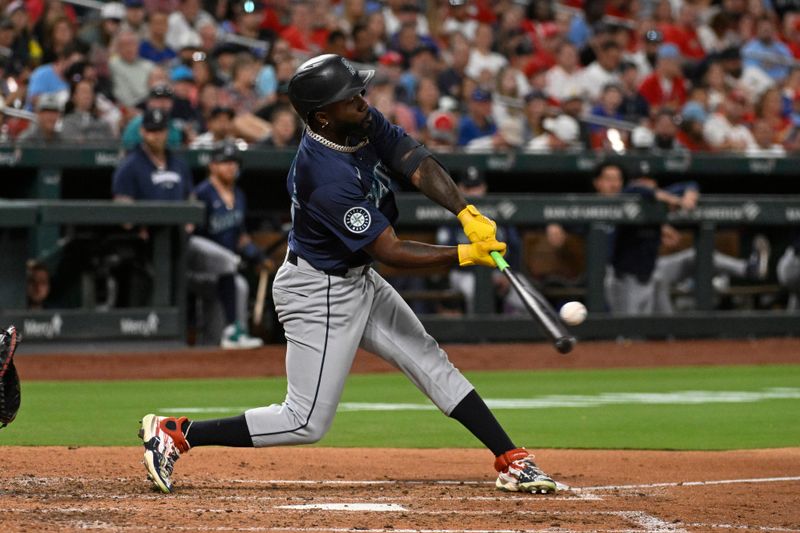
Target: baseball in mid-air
{"points": [[573, 313]]}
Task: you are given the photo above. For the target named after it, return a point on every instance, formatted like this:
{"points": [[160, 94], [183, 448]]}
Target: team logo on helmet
{"points": [[357, 219]]}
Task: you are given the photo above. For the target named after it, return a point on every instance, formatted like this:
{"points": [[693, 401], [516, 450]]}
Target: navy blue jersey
{"points": [[222, 225], [139, 178], [341, 202]]}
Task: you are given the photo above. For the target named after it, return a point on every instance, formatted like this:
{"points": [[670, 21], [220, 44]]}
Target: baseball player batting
{"points": [[331, 302]]}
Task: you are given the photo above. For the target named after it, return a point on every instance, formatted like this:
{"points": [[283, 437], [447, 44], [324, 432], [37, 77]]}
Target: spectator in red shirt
{"points": [[301, 34], [683, 33], [666, 86]]}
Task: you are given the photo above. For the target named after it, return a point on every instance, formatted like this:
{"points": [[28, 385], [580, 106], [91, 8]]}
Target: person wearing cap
{"points": [[185, 23], [646, 55], [219, 126], [560, 133], [478, 120], [249, 15], [154, 47], [460, 19], [134, 18], [129, 72], [160, 97], [440, 134], [330, 300], [151, 171], [215, 250], [46, 128], [666, 86]]}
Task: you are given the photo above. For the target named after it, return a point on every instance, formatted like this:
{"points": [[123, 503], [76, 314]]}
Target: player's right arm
{"points": [[390, 250]]}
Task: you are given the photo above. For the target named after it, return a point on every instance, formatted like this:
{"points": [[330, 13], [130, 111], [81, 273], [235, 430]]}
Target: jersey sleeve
{"points": [[345, 211], [384, 135]]}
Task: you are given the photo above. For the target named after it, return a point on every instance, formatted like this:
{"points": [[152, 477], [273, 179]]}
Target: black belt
{"points": [[291, 257]]}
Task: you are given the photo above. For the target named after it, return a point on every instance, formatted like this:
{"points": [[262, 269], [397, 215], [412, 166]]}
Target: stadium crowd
{"points": [[478, 75]]}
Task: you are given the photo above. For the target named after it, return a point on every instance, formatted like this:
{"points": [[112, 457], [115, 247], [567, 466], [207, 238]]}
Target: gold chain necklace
{"points": [[333, 146]]}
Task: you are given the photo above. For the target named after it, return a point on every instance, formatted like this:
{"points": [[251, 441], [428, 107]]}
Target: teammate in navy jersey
{"points": [[215, 248], [329, 299]]}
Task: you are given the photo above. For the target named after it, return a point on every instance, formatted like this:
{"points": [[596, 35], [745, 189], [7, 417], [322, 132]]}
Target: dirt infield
{"points": [[398, 490], [319, 489]]}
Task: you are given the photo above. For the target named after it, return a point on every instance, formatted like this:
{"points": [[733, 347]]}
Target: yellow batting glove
{"points": [[477, 253], [476, 226]]}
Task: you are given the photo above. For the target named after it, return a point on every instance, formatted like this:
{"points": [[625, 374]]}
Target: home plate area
{"points": [[377, 490]]}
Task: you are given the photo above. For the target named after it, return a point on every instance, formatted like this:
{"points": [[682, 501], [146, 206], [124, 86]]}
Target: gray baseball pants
{"points": [[326, 319], [788, 271], [206, 261]]}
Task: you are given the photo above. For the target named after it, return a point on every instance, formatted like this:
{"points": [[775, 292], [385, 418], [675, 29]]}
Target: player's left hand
{"points": [[476, 226]]}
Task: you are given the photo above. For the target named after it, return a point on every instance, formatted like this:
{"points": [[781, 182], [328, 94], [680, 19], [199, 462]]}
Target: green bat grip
{"points": [[499, 261]]}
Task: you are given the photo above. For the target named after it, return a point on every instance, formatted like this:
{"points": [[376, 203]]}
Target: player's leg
{"points": [[323, 318], [394, 333]]}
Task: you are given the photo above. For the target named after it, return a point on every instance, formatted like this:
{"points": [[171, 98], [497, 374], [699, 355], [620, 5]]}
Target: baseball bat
{"points": [[261, 295], [539, 308]]}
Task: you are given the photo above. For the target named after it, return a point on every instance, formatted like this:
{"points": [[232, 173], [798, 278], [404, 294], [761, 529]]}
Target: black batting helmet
{"points": [[323, 80]]}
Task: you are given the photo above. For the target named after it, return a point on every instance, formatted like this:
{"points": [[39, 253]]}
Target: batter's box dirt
{"points": [[377, 490]]}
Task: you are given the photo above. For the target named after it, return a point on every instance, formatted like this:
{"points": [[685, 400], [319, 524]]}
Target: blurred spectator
{"points": [[250, 14], [244, 99], [634, 107], [608, 106], [82, 122], [565, 77], [37, 286], [508, 95], [427, 101], [683, 33], [185, 24], [220, 129], [766, 52], [509, 136], [154, 47], [382, 96], [460, 19], [451, 78], [398, 12], [134, 18], [407, 41], [665, 87], [49, 78], [151, 171], [717, 85], [441, 131], [764, 145], [363, 45], [645, 57], [770, 108], [159, 98], [693, 117], [422, 63], [301, 34], [26, 50], [665, 131], [725, 129], [478, 120], [483, 62], [718, 34], [573, 106], [285, 129], [129, 72], [57, 37], [602, 71], [336, 43], [45, 129], [536, 104], [104, 105], [560, 133]]}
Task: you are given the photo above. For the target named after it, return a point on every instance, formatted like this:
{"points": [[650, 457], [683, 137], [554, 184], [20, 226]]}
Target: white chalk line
{"points": [[733, 526], [689, 483], [687, 397]]}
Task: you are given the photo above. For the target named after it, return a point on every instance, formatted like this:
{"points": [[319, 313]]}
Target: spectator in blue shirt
{"points": [[766, 52], [155, 47], [49, 78], [478, 122]]}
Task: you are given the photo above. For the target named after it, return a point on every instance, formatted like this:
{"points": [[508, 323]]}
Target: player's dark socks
{"points": [[218, 432], [227, 296], [474, 415]]}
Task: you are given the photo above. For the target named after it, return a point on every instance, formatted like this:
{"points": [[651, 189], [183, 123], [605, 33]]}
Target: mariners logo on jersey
{"points": [[357, 219]]}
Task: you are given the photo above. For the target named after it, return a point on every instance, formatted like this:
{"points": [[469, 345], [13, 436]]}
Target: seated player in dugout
{"points": [[639, 280], [329, 299]]}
